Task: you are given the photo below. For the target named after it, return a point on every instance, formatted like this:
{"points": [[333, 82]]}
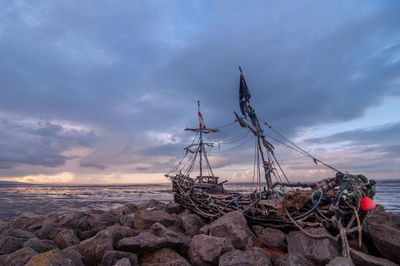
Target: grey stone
{"points": [[173, 207], [361, 259], [295, 259], [40, 245], [252, 256], [165, 257], [205, 250], [319, 250], [20, 233], [123, 262], [271, 238], [111, 257], [9, 244], [19, 257], [383, 228], [205, 229], [127, 220], [126, 209], [73, 254], [192, 224], [101, 220], [48, 231], [65, 238], [234, 226], [25, 220], [174, 239], [71, 220], [151, 205], [279, 259], [340, 261], [144, 219]]}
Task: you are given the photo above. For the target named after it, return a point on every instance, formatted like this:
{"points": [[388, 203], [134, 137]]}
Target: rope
{"points": [[300, 149], [226, 125]]}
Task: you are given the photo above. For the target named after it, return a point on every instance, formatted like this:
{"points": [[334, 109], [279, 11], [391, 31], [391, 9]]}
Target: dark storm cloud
{"points": [[124, 70], [38, 143]]}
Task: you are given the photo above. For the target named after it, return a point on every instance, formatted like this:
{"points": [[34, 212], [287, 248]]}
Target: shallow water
{"points": [[40, 199]]}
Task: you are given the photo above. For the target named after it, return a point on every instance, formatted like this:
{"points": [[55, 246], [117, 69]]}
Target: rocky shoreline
{"points": [[154, 233]]}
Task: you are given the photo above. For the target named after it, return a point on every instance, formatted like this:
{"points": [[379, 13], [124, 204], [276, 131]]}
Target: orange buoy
{"points": [[367, 204]]}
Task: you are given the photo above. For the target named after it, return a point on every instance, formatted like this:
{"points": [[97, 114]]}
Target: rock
{"points": [[205, 250], [73, 254], [340, 261], [295, 259], [279, 259], [93, 249], [144, 219], [143, 243], [320, 251], [48, 231], [25, 220], [19, 257], [174, 239], [383, 228], [111, 257], [252, 256], [361, 259], [164, 257], [102, 220], [173, 207], [184, 212], [40, 245], [126, 209], [50, 258], [71, 220], [127, 220], [192, 224], [271, 238], [123, 262], [20, 233], [234, 226], [65, 238], [205, 229], [89, 233], [49, 218], [151, 205], [147, 242], [9, 244]]}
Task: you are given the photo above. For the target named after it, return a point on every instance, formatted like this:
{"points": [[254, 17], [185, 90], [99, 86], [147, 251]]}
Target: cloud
{"points": [[130, 75]]}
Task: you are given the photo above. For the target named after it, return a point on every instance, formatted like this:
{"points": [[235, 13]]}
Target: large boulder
{"points": [[25, 220], [234, 226], [319, 250], [279, 259], [295, 259], [123, 262], [19, 257], [340, 261], [361, 259], [383, 228], [192, 224], [48, 231], [111, 257], [164, 257], [9, 244], [178, 240], [40, 245], [151, 205], [271, 238], [253, 256], [173, 207], [73, 254], [72, 220], [144, 218], [65, 238], [158, 237], [50, 258], [127, 220], [126, 209], [107, 218], [93, 249], [19, 233], [205, 250]]}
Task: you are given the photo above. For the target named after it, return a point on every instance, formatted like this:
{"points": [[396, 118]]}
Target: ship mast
{"points": [[248, 110]]}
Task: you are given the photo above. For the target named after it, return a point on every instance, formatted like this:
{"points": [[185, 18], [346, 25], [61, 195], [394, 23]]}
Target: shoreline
{"points": [[157, 233]]}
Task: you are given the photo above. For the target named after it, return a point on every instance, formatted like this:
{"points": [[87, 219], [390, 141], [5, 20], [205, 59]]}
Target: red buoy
{"points": [[367, 204]]}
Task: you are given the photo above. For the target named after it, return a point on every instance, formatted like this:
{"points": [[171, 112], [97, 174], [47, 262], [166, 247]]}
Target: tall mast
{"points": [[257, 131], [201, 140]]}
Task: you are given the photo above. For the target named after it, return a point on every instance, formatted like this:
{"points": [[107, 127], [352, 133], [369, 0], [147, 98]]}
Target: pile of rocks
{"points": [[154, 233]]}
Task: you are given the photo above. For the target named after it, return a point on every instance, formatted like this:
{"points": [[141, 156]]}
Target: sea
{"points": [[41, 199]]}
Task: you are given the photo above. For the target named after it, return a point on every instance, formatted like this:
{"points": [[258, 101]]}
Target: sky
{"points": [[95, 92]]}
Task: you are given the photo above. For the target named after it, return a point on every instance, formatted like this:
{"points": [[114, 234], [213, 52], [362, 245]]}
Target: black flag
{"points": [[244, 94]]}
